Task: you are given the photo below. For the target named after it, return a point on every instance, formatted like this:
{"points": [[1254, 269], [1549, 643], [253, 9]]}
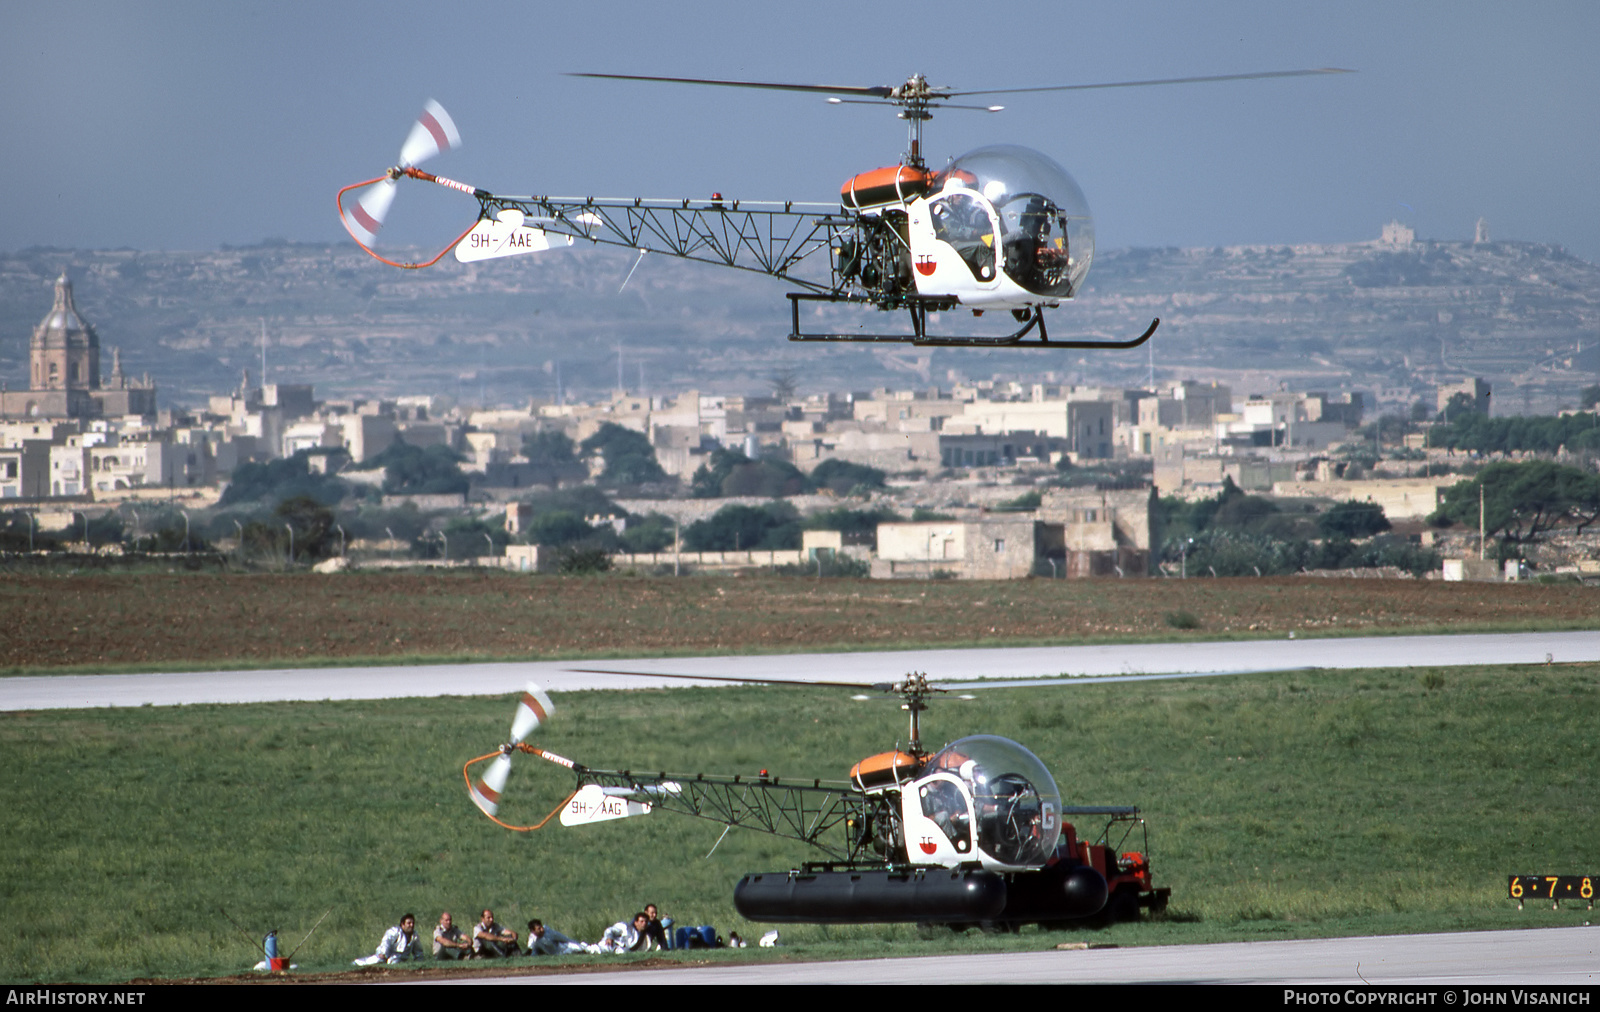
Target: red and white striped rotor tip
{"points": [[532, 710], [486, 790], [434, 132], [365, 216]]}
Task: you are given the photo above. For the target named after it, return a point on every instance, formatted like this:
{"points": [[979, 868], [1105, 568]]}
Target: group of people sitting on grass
{"points": [[646, 930]]}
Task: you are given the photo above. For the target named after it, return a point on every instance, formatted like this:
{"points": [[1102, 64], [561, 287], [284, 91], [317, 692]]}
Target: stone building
{"points": [[989, 549], [1104, 532], [64, 378]]}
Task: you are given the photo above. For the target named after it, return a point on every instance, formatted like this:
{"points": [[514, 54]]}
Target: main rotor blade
{"points": [[942, 686], [878, 91], [1034, 683], [752, 680], [1166, 80]]}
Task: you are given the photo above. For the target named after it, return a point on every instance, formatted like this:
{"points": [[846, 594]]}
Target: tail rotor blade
{"points": [[532, 710], [487, 789], [365, 216], [433, 133]]}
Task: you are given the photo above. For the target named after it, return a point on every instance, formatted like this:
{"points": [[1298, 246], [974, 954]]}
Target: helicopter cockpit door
{"points": [[955, 239], [938, 821]]}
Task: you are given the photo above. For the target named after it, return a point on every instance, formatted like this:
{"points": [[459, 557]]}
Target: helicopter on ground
{"points": [[972, 833], [1002, 228]]}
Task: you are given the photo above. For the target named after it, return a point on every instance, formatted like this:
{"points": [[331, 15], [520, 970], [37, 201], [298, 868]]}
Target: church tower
{"points": [[64, 378], [65, 351]]}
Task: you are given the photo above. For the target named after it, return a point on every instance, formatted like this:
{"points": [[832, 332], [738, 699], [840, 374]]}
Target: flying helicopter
{"points": [[1002, 228], [971, 833]]}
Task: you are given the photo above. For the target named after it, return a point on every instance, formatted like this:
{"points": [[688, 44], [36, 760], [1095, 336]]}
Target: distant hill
{"points": [[1329, 316], [1382, 316]]}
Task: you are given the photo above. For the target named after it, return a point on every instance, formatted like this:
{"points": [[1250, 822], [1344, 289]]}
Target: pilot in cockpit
{"points": [[961, 220], [943, 803]]}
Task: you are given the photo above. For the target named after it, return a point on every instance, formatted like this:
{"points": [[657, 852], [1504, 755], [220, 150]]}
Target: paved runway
{"points": [[1558, 957], [1105, 660]]}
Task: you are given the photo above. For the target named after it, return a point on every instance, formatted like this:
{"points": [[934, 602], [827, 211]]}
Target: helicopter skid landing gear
{"points": [[919, 329]]}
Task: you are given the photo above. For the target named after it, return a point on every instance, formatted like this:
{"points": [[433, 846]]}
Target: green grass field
{"points": [[1285, 805]]}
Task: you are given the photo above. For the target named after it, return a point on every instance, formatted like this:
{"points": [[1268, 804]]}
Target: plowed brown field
{"points": [[92, 621]]}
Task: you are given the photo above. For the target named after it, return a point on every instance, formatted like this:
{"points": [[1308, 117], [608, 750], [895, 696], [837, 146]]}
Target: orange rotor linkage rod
{"points": [[414, 173], [467, 776]]}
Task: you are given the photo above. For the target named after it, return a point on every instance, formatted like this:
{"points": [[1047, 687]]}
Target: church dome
{"points": [[62, 327], [65, 350]]}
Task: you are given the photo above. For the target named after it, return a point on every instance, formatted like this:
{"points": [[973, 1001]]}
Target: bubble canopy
{"points": [[1016, 805], [1047, 233]]}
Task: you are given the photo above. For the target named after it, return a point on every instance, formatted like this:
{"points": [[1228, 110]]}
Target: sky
{"points": [[188, 125]]}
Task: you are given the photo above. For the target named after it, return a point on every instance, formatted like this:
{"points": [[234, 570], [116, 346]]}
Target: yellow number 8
{"points": [[1587, 889]]}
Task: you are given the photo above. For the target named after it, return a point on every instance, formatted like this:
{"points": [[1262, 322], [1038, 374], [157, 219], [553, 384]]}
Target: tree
{"points": [[856, 527], [708, 477], [1538, 433], [731, 473], [417, 470], [844, 477], [1522, 502], [735, 528], [479, 533], [549, 449], [656, 533], [577, 561], [1240, 511], [1353, 519], [1459, 406], [312, 524], [784, 384], [560, 528], [629, 457], [276, 480], [768, 479]]}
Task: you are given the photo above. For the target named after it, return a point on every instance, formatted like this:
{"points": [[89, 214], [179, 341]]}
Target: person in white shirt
{"points": [[399, 944], [543, 941], [625, 936]]}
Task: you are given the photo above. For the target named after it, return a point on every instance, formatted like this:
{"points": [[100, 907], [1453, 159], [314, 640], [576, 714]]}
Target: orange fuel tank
{"points": [[884, 769], [895, 184]]}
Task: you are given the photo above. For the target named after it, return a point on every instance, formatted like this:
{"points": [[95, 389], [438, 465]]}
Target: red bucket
{"points": [[278, 963]]}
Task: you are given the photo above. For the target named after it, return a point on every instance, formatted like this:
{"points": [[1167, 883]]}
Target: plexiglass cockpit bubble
{"points": [[1015, 803], [1047, 234]]}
